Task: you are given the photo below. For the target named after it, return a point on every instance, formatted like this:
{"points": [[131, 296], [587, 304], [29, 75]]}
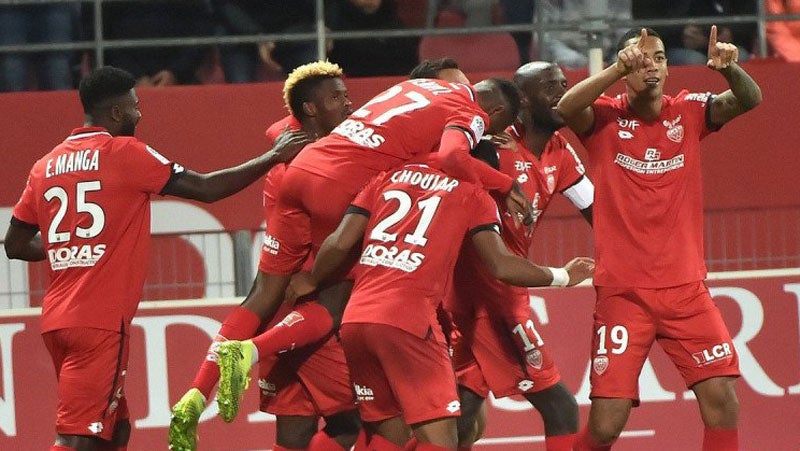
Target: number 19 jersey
{"points": [[90, 198], [418, 218]]}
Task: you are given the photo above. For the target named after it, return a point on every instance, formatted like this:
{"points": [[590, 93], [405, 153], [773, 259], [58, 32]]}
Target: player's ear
{"points": [[309, 109], [115, 112]]}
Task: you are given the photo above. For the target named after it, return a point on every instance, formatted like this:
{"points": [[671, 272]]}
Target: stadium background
{"points": [[752, 223]]}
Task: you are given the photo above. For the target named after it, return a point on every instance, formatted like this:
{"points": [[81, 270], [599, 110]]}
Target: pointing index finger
{"points": [[712, 39], [642, 37]]}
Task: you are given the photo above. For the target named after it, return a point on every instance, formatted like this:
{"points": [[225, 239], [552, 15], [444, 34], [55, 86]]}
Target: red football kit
{"points": [[310, 381], [648, 224], [402, 124], [394, 344], [90, 197], [499, 348]]}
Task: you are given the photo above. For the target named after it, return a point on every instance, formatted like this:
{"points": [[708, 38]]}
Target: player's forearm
{"points": [[585, 92], [24, 243], [742, 85], [225, 182], [455, 160], [329, 261], [520, 272]]}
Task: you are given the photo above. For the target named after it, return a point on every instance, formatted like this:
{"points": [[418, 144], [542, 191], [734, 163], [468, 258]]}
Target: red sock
{"points": [[306, 324], [240, 324], [361, 441], [585, 442], [323, 442], [277, 447], [431, 447], [61, 448], [721, 439], [560, 442], [411, 444], [378, 443]]}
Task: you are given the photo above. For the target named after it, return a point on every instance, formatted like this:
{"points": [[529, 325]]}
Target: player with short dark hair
{"points": [[306, 384], [441, 68], [644, 147], [499, 348], [410, 221], [90, 198]]}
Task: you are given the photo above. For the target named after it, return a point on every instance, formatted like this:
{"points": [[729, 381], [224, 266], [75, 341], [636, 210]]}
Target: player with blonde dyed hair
{"points": [[308, 383]]}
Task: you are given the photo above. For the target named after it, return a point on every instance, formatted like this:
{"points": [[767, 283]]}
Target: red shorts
{"points": [[312, 381], [397, 373], [684, 320], [506, 358], [90, 366], [308, 209]]}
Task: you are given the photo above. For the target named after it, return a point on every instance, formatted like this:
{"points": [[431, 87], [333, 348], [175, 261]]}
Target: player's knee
{"points": [[606, 431], [558, 408], [719, 404], [341, 424], [295, 432]]}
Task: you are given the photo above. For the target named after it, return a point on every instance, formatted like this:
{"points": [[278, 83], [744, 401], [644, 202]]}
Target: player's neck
{"points": [[312, 129], [89, 121], [647, 105], [535, 137]]}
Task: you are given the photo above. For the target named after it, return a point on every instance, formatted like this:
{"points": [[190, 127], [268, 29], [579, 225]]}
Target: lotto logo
{"points": [[96, 427], [709, 356], [525, 385], [267, 388], [453, 407], [363, 393]]}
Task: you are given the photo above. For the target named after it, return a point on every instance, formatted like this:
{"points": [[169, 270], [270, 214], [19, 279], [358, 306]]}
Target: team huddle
{"points": [[391, 295]]}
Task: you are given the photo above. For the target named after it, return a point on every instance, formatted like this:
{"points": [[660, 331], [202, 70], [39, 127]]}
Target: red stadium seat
{"points": [[482, 52]]}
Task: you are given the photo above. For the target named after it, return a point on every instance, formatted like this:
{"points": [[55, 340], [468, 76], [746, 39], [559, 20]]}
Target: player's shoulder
{"points": [[274, 130], [616, 102], [687, 97]]}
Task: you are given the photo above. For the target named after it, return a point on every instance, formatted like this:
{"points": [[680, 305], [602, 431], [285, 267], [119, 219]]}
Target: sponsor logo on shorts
{"points": [[525, 385], [715, 353], [96, 427], [534, 358], [75, 256], [271, 245], [363, 393], [600, 364], [267, 388], [453, 407]]}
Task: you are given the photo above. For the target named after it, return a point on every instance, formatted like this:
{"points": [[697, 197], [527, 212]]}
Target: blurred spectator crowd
{"points": [[240, 63]]}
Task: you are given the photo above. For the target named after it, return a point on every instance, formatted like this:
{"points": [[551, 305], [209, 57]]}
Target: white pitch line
{"points": [[540, 438]]}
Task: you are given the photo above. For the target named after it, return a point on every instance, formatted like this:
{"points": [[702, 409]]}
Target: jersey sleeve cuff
{"points": [[25, 225], [177, 171], [493, 227], [355, 209]]}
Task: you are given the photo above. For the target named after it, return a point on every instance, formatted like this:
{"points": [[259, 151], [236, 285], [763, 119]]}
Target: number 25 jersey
{"points": [[90, 198]]}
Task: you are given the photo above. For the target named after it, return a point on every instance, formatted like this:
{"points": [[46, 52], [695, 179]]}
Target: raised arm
{"points": [[225, 182], [515, 270], [576, 105], [744, 93]]}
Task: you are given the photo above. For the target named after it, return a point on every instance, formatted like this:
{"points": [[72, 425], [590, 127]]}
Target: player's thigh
{"points": [[623, 333], [295, 432], [695, 336], [513, 359], [326, 377], [91, 380]]}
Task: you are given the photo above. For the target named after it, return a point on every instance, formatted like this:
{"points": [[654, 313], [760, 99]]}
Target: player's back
{"points": [[90, 197], [418, 219], [402, 124]]}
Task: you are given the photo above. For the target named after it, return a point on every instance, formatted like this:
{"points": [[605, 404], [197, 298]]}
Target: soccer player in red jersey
{"points": [[442, 68], [644, 148], [404, 123], [499, 348], [410, 221], [306, 384], [90, 198]]}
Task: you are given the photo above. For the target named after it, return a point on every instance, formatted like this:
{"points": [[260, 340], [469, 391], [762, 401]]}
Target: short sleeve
{"points": [[25, 209], [470, 118], [146, 169], [570, 167], [484, 214], [364, 201], [696, 106]]}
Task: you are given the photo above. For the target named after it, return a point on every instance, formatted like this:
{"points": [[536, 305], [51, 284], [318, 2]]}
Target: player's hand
{"points": [[265, 53], [632, 58], [720, 54], [519, 206], [301, 284], [503, 140], [579, 269], [289, 144]]}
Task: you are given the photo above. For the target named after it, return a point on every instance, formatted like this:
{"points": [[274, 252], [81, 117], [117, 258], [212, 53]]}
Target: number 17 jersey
{"points": [[90, 198], [418, 218]]}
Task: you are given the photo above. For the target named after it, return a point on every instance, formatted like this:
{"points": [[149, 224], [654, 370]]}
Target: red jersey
{"points": [[648, 212], [555, 171], [418, 218], [402, 124], [90, 197], [273, 179]]}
